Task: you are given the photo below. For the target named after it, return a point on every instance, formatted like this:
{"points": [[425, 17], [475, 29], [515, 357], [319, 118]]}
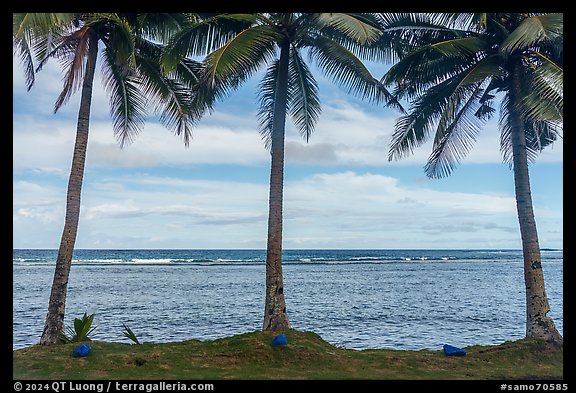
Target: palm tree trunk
{"points": [[54, 325], [538, 323], [275, 316]]}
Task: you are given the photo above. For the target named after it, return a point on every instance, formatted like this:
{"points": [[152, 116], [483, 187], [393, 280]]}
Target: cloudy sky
{"points": [[340, 189]]}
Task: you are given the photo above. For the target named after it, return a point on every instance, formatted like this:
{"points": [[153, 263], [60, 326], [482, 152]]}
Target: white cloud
{"points": [[29, 194], [322, 210], [41, 146], [316, 153], [375, 209]]}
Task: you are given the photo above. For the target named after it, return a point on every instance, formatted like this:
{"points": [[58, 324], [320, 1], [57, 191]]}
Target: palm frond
{"points": [[457, 130], [35, 35], [169, 94], [458, 20], [413, 129], [410, 131], [543, 96], [242, 55], [409, 22], [161, 26], [479, 73], [202, 98], [458, 105], [460, 46], [346, 70], [23, 49], [176, 111], [378, 49], [267, 98], [352, 26], [26, 25], [121, 36], [412, 30], [486, 109], [73, 61], [424, 68], [542, 133], [201, 36], [304, 102], [127, 104], [532, 31], [538, 134]]}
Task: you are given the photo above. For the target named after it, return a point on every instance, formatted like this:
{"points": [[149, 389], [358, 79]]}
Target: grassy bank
{"points": [[307, 356]]}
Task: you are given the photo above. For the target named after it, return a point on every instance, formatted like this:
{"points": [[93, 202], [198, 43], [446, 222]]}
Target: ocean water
{"points": [[358, 299]]}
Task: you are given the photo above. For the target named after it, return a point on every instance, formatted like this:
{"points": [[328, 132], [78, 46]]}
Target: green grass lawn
{"points": [[307, 356]]}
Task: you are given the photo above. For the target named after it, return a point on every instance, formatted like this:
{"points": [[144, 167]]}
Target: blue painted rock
{"points": [[81, 350], [450, 350], [280, 340]]}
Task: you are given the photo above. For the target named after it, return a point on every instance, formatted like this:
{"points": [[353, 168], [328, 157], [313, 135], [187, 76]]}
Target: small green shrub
{"points": [[82, 329], [130, 334]]}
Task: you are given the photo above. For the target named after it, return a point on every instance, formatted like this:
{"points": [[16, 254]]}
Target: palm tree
{"points": [[242, 43], [132, 77], [457, 66]]}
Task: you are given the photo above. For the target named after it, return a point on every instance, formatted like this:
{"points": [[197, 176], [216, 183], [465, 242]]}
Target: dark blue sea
{"points": [[358, 299]]}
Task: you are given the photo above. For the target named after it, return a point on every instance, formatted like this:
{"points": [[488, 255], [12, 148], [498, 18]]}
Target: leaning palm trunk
{"points": [[538, 323], [54, 325], [275, 316]]}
